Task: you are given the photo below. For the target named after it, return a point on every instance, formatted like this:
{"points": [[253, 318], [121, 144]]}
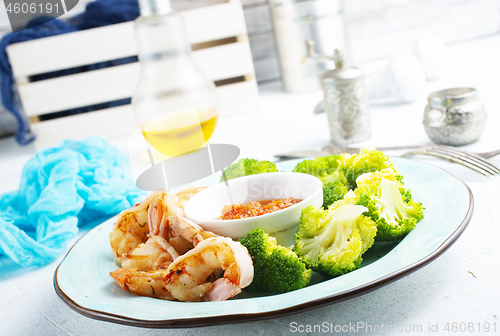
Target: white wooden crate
{"points": [[221, 49]]}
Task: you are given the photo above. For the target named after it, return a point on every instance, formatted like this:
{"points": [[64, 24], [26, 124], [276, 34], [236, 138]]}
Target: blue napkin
{"points": [[62, 188]]}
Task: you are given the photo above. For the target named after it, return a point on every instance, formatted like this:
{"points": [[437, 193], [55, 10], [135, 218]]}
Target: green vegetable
{"points": [[367, 161], [389, 204], [324, 168], [332, 192], [276, 268], [246, 167], [332, 242]]}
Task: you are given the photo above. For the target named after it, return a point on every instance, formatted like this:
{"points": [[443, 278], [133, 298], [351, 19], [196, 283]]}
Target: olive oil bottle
{"points": [[174, 101]]}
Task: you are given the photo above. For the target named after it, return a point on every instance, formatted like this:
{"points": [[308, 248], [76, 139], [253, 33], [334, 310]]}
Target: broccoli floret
{"points": [[332, 242], [324, 168], [389, 204], [246, 167], [332, 192], [276, 268], [367, 161]]}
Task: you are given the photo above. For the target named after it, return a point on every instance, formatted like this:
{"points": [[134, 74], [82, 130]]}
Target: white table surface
{"points": [[443, 291]]}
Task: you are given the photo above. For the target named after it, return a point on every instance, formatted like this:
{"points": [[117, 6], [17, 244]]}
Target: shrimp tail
{"points": [[222, 289], [185, 228], [155, 216], [190, 275]]}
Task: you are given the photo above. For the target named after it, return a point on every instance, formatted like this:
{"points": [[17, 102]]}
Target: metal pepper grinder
{"points": [[346, 102]]}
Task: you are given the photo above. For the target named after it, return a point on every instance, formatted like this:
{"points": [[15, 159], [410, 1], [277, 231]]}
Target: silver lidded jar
{"points": [[454, 116], [346, 103]]}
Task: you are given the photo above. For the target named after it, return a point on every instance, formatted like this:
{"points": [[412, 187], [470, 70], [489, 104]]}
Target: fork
{"points": [[475, 161], [352, 150]]}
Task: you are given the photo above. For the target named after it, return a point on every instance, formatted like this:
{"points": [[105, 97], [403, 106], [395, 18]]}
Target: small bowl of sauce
{"points": [[271, 201], [255, 208]]}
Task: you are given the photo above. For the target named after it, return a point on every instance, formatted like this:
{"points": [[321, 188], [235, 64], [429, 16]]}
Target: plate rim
{"points": [[299, 308]]}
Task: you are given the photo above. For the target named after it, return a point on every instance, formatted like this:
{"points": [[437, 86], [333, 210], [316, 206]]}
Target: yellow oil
{"points": [[180, 133]]}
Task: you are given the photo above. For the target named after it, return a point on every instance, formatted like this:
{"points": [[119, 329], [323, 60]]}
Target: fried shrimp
{"points": [[155, 253], [150, 237], [189, 276], [143, 283], [134, 226]]}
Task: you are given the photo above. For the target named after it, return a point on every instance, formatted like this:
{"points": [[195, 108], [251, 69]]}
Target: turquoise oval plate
{"points": [[82, 279]]}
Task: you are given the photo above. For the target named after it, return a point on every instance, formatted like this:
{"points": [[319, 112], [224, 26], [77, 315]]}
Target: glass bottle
{"points": [[174, 102]]}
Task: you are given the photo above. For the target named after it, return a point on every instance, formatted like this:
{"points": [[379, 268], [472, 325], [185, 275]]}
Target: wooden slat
{"points": [[99, 86], [182, 5], [225, 61], [72, 50], [85, 89], [117, 41], [110, 123], [214, 22], [118, 121]]}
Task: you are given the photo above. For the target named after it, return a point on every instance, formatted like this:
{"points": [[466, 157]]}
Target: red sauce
{"points": [[258, 208]]}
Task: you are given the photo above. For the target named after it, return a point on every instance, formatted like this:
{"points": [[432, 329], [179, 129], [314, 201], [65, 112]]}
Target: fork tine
{"points": [[461, 160], [481, 158], [468, 156], [450, 158]]}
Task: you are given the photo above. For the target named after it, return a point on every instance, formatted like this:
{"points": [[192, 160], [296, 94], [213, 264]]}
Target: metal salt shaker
{"points": [[454, 116], [346, 103]]}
